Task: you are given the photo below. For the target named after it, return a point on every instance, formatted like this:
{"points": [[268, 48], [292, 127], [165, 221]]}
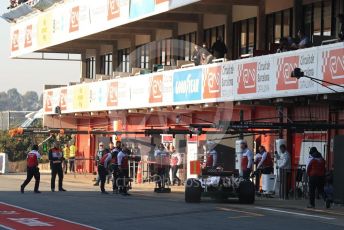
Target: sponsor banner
{"points": [[187, 85], [139, 91], [79, 18], [139, 8], [331, 66], [246, 79], [286, 63], [167, 88], [81, 98], [97, 99], [156, 89], [228, 71], [112, 94], [212, 82]]}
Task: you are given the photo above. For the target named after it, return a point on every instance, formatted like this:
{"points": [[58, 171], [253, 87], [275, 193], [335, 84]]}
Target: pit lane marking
{"points": [[295, 213], [15, 217], [246, 213]]}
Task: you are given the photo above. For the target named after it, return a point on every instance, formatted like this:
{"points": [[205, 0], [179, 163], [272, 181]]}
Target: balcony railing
{"points": [[20, 10]]}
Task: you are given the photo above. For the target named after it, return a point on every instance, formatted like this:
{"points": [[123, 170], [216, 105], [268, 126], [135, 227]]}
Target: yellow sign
{"points": [[44, 30], [81, 97]]}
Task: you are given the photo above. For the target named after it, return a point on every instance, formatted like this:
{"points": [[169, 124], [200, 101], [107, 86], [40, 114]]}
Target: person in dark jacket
{"points": [[341, 30], [316, 173], [56, 158], [196, 55], [219, 48]]}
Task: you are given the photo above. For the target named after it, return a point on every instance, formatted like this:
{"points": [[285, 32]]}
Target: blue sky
{"points": [[28, 74]]}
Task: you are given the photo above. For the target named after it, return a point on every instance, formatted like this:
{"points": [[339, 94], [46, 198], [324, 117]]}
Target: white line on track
{"points": [[43, 214], [295, 213], [5, 227]]}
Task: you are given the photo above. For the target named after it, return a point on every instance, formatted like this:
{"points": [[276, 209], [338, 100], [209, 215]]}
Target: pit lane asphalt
{"points": [[147, 210]]}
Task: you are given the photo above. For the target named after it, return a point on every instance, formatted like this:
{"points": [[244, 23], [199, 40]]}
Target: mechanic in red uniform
{"points": [[316, 172], [123, 167], [246, 160], [266, 163], [56, 158], [103, 169], [32, 169], [211, 161]]}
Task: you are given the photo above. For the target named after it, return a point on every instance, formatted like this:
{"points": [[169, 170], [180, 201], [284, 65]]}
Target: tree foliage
{"points": [[16, 148], [14, 101]]}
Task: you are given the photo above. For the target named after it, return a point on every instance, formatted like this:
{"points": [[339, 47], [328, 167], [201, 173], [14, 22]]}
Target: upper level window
{"points": [[318, 18], [164, 52], [278, 25], [186, 46], [143, 56], [106, 64], [124, 60], [90, 67], [245, 36], [211, 34]]}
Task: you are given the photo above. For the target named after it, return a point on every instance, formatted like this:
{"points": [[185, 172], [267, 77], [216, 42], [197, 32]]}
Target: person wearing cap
{"points": [[32, 169], [316, 172], [246, 160], [56, 158], [99, 155]]}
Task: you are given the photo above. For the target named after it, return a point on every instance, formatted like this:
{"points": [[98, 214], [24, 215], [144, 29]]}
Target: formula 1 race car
{"points": [[220, 185]]}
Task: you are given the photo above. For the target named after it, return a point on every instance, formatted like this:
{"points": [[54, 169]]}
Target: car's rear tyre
{"points": [[193, 191], [246, 192]]}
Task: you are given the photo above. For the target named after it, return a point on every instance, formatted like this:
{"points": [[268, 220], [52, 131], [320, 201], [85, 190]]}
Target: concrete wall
{"points": [[186, 28], [213, 20], [142, 39], [163, 34], [274, 6], [244, 12]]}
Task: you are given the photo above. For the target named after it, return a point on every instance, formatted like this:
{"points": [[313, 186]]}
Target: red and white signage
{"points": [[113, 9], [212, 82], [247, 80], [63, 99], [13, 217], [48, 105], [28, 36], [112, 97], [15, 41], [74, 19], [286, 66], [333, 66], [155, 89]]}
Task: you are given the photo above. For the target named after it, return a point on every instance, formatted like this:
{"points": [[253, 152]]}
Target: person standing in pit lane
{"points": [[32, 169], [56, 158], [246, 160]]}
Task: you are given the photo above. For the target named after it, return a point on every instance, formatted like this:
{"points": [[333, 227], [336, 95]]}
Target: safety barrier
{"points": [[293, 183]]}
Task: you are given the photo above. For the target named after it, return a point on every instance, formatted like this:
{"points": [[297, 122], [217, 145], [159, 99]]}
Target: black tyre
{"points": [[193, 191], [246, 192]]}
